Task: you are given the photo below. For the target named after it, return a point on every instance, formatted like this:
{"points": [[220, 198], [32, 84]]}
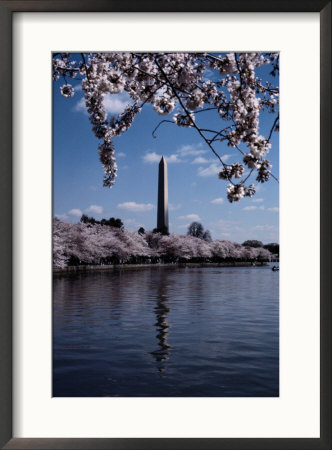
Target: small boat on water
{"points": [[275, 268]]}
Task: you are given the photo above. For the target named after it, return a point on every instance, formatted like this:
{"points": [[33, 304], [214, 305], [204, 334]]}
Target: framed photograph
{"points": [[142, 306]]}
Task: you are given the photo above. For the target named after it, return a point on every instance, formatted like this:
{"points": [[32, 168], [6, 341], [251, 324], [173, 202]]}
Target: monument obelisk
{"points": [[162, 213]]}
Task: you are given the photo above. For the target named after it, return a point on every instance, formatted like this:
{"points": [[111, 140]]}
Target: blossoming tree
{"points": [[182, 86], [76, 244]]}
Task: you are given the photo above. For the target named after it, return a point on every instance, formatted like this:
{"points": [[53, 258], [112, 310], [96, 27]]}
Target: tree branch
{"points": [[163, 121], [188, 115]]}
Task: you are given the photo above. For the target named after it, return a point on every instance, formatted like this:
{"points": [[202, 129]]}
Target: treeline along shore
{"points": [[94, 245]]}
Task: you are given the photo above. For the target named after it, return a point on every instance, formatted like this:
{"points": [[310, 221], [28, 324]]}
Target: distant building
{"points": [[162, 213]]}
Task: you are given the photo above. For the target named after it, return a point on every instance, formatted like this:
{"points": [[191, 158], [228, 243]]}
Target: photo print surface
{"points": [[166, 224]]}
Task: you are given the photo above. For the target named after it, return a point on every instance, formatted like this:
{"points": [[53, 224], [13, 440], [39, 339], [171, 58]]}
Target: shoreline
{"points": [[112, 267]]}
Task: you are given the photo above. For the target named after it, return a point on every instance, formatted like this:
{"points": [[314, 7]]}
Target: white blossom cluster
{"points": [[184, 120], [263, 171], [67, 90], [238, 191], [63, 66], [170, 81], [235, 170]]}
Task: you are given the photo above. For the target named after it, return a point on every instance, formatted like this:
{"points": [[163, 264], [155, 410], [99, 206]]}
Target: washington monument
{"points": [[162, 213]]}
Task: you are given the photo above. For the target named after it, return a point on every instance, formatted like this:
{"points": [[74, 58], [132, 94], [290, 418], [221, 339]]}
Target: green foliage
{"points": [[196, 229], [252, 243], [273, 247], [207, 236], [87, 219], [111, 222], [163, 231]]}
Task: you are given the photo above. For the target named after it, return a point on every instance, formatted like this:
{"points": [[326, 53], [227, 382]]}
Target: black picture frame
{"points": [[7, 8]]}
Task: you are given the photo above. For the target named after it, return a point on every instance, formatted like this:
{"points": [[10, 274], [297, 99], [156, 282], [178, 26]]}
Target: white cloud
{"points": [[213, 169], [173, 159], [80, 106], [252, 208], [194, 217], [61, 216], [201, 160], [274, 209], [257, 200], [195, 150], [113, 103], [116, 103], [121, 155], [191, 149], [154, 157], [77, 86], [136, 207], [94, 209], [225, 158], [185, 150], [75, 212], [172, 207], [217, 201], [249, 208]]}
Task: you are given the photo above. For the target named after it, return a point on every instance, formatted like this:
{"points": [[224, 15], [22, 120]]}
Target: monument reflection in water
{"points": [[161, 310], [167, 332]]}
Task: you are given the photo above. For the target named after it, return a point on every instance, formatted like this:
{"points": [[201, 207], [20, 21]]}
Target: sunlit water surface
{"points": [[211, 332]]}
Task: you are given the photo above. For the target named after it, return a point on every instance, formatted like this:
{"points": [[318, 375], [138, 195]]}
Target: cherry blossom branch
{"points": [[86, 69], [167, 79], [188, 114]]}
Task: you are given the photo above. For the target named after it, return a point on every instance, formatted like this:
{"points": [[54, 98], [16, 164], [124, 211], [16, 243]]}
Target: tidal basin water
{"points": [[167, 332]]}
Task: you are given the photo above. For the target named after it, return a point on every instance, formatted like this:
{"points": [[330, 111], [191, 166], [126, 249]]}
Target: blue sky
{"points": [[195, 192]]}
